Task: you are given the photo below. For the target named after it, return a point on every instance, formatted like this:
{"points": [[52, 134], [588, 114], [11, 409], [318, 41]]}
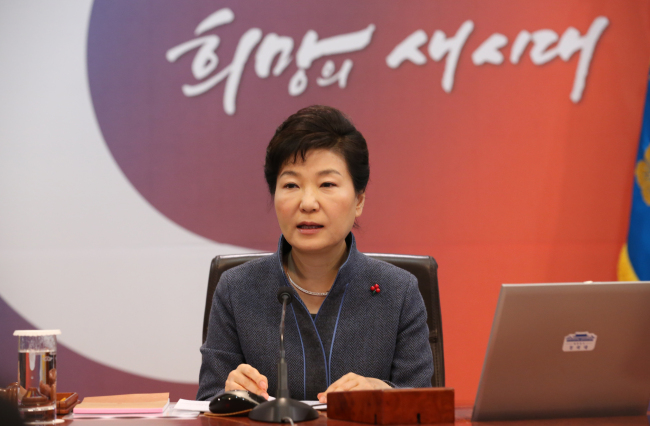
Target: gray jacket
{"points": [[382, 335]]}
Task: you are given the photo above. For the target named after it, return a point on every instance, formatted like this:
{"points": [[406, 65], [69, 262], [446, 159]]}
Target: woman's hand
{"points": [[352, 381], [247, 378]]}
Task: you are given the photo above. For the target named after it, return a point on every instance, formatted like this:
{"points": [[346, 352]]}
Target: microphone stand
{"points": [[283, 408]]}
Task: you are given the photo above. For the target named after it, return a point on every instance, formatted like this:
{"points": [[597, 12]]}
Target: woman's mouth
{"points": [[309, 227]]}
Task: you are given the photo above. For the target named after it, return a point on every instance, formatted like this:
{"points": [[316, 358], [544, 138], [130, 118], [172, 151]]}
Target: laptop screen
{"points": [[567, 350]]}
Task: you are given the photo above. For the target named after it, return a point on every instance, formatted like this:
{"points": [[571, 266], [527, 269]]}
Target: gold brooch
{"points": [[643, 176]]}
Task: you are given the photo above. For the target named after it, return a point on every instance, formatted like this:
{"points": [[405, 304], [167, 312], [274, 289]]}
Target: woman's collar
{"points": [[284, 248]]}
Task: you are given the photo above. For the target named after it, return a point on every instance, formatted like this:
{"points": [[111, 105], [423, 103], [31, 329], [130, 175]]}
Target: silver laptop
{"points": [[567, 350]]}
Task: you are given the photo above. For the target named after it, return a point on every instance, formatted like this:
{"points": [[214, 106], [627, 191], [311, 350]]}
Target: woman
{"points": [[342, 332]]}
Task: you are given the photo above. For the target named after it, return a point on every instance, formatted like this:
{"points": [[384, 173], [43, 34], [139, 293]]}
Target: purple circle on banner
{"points": [[160, 79]]}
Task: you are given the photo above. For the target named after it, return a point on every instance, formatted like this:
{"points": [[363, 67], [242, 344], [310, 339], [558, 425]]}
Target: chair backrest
{"points": [[424, 268]]}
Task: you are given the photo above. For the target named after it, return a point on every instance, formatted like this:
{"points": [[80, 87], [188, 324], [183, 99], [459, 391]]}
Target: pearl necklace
{"points": [[313, 293]]}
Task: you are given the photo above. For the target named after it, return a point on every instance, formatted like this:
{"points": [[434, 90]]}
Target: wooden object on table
{"points": [[393, 406], [10, 393], [65, 402]]}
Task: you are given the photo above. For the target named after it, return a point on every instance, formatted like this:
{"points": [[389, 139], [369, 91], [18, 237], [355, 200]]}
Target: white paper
{"points": [[189, 405], [170, 412], [317, 405]]}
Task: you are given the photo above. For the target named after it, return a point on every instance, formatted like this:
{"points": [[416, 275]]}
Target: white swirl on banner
{"points": [[80, 249]]}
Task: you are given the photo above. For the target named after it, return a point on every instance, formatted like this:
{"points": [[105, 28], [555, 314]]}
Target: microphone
{"points": [[285, 292], [283, 408], [284, 297]]}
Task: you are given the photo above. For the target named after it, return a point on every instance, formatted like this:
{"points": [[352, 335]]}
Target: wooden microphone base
{"points": [[393, 406]]}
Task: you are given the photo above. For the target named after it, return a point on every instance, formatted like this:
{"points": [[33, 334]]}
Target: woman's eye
{"points": [[290, 185], [328, 184]]}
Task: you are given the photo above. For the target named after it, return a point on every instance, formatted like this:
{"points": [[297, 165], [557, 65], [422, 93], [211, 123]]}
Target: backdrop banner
{"points": [[501, 134]]}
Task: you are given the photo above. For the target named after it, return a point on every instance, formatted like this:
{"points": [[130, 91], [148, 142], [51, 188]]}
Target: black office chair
{"points": [[424, 268]]}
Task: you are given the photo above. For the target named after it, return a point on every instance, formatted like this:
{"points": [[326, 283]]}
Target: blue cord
{"points": [[329, 367], [304, 360]]}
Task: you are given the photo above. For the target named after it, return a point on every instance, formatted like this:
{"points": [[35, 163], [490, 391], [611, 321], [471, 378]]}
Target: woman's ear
{"points": [[361, 199]]}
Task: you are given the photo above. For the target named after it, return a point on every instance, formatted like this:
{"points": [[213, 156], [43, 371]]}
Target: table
{"points": [[463, 415]]}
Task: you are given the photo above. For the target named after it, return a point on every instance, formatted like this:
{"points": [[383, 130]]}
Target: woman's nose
{"points": [[309, 201]]}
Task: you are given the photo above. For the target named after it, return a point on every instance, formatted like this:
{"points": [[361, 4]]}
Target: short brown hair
{"points": [[318, 127]]}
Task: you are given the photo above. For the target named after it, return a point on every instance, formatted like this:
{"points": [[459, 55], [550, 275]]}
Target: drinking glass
{"points": [[37, 375]]}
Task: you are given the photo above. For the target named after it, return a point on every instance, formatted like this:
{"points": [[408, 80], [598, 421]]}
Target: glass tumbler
{"points": [[37, 375]]}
